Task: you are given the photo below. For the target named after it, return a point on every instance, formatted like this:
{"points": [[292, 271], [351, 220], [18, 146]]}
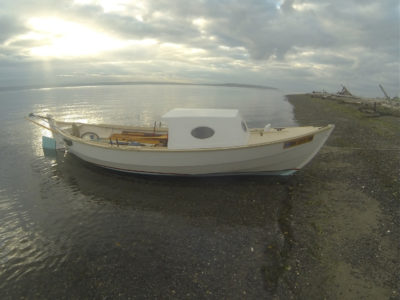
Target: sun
{"points": [[60, 38]]}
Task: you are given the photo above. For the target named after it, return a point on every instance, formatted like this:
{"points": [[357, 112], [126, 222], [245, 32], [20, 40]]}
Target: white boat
{"points": [[195, 142]]}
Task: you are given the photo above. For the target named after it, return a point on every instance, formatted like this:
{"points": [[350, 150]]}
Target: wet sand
{"points": [[343, 215]]}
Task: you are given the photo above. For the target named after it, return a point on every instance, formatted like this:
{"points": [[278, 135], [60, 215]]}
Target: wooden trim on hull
{"points": [[317, 131]]}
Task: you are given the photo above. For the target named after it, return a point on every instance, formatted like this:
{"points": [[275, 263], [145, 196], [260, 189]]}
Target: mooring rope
{"points": [[357, 148]]}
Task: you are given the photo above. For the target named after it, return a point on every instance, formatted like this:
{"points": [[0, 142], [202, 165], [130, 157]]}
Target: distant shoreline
{"points": [[94, 84]]}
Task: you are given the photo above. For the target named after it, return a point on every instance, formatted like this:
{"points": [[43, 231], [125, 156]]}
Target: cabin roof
{"points": [[201, 113]]}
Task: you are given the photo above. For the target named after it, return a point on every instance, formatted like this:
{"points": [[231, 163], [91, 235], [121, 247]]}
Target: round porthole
{"points": [[90, 136], [202, 132]]}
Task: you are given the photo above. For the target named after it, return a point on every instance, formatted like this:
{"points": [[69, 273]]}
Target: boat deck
{"points": [[258, 136], [158, 137]]}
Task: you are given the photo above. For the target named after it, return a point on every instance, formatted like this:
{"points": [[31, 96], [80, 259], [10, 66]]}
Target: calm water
{"points": [[70, 230]]}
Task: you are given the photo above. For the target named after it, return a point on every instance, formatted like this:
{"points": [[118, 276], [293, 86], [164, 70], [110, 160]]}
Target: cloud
{"points": [[9, 27], [293, 44]]}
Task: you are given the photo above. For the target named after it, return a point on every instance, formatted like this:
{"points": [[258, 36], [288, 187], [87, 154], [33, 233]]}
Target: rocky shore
{"points": [[342, 219]]}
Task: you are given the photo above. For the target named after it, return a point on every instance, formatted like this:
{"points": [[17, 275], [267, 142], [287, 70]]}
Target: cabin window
{"points": [[244, 126], [90, 136], [202, 132]]}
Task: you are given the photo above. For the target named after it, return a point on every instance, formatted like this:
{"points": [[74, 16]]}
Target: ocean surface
{"points": [[72, 230]]}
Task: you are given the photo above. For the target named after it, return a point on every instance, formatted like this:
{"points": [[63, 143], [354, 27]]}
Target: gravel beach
{"points": [[342, 219]]}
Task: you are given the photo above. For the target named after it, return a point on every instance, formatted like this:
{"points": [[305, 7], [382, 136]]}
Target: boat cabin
{"points": [[190, 128]]}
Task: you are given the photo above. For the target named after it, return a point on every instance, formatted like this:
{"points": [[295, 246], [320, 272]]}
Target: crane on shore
{"points": [[384, 92], [386, 95]]}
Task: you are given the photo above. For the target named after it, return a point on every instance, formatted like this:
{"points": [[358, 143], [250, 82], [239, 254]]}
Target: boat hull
{"points": [[264, 159]]}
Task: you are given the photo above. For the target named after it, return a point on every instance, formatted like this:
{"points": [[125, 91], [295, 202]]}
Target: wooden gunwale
{"points": [[165, 149]]}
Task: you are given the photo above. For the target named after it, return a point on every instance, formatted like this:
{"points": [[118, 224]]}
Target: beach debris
{"points": [[344, 92]]}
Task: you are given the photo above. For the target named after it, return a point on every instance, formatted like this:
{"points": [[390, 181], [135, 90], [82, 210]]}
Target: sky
{"points": [[294, 45]]}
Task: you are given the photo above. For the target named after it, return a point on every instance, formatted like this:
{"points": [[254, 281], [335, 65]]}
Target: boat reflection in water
{"points": [[227, 198]]}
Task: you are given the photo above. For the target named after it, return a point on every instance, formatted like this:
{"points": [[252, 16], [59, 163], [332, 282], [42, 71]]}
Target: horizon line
{"points": [[106, 83]]}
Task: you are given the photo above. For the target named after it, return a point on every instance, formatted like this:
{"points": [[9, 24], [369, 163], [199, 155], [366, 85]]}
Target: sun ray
{"points": [[64, 38]]}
